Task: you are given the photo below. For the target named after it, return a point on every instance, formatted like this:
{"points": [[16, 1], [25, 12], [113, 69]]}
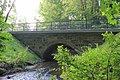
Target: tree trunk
{"points": [[6, 18]]}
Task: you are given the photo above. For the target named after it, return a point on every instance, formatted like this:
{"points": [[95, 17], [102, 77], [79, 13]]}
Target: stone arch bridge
{"points": [[45, 42]]}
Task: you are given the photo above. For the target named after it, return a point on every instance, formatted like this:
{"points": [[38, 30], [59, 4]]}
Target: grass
{"points": [[15, 53]]}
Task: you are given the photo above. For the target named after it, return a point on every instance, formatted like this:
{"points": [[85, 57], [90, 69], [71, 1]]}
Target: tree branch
{"points": [[6, 18]]}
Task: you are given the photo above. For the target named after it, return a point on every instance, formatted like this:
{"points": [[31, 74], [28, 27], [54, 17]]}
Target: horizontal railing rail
{"points": [[65, 25]]}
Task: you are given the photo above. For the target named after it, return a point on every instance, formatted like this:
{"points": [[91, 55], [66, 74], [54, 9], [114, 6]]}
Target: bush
{"points": [[100, 63]]}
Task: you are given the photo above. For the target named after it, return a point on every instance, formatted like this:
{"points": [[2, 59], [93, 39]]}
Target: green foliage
{"points": [[10, 50], [3, 24], [53, 77], [100, 63], [51, 10], [56, 10], [4, 38], [110, 9], [4, 4], [107, 36], [16, 54], [81, 9]]}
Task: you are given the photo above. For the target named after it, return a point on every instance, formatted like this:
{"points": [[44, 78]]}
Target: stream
{"points": [[41, 71]]}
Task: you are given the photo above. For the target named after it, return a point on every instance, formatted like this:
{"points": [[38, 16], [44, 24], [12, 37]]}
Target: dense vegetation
{"points": [[110, 9], [55, 10], [10, 51], [100, 63], [15, 54]]}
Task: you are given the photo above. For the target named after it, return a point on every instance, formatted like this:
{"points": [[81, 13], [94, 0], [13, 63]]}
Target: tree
{"points": [[51, 10], [12, 19], [12, 5], [110, 9], [5, 4], [9, 48], [81, 9], [4, 36], [54, 10]]}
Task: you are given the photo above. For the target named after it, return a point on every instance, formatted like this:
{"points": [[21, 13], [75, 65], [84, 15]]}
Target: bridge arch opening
{"points": [[52, 49]]}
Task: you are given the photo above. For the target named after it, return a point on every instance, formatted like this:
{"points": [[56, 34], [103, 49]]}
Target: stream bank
{"points": [[39, 71]]}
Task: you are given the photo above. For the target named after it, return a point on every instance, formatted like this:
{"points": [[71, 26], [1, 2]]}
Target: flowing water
{"points": [[42, 72]]}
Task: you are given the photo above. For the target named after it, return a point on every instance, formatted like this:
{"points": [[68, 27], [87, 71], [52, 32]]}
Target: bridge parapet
{"points": [[65, 25]]}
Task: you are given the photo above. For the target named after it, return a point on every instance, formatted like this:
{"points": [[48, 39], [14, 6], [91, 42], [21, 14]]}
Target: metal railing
{"points": [[65, 25]]}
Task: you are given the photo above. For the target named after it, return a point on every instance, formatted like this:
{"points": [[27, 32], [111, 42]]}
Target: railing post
{"points": [[86, 23], [36, 25], [51, 25], [23, 27], [69, 24]]}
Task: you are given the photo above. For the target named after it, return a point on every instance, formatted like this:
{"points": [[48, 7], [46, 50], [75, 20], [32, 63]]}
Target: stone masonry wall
{"points": [[39, 42]]}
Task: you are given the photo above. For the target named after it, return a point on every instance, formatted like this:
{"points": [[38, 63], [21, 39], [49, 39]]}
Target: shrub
{"points": [[100, 63]]}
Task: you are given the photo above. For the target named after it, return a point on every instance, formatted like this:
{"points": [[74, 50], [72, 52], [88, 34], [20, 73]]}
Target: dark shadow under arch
{"points": [[52, 49]]}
